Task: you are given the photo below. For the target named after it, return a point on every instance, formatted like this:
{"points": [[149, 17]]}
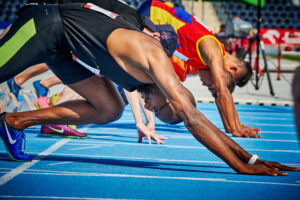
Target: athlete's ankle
{"points": [[18, 81], [44, 84], [14, 121]]}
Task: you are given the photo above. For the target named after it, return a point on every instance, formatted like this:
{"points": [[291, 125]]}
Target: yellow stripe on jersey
{"points": [[207, 36], [160, 16]]}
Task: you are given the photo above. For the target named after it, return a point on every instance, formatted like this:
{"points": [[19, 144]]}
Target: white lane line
{"points": [[15, 172], [254, 114], [265, 140], [104, 136], [269, 118], [165, 145], [151, 159], [235, 138], [53, 197], [181, 136], [67, 173], [60, 163], [89, 147], [275, 150], [279, 132], [101, 127], [181, 147], [83, 129], [281, 125]]}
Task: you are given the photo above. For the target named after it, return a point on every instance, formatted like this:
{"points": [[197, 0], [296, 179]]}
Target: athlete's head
{"points": [[207, 80], [165, 34], [155, 101], [239, 69]]}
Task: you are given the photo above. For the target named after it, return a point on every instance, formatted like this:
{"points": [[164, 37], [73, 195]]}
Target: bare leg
{"points": [[4, 32], [103, 104], [49, 82], [29, 73], [296, 95], [1, 106], [68, 94]]}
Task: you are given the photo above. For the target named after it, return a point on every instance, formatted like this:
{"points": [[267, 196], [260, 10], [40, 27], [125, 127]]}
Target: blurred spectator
{"points": [[296, 95], [222, 30], [223, 39]]}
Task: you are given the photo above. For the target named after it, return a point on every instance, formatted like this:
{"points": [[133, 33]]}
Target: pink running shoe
{"points": [[61, 130], [41, 102]]}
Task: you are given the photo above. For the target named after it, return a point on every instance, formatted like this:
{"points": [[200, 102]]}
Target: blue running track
{"points": [[110, 164]]}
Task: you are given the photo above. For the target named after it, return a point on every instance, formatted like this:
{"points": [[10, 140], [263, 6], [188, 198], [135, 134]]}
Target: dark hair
{"points": [[231, 87], [173, 117], [223, 26], [146, 88], [244, 80], [168, 35]]}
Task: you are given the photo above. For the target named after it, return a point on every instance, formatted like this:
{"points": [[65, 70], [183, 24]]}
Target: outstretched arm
{"points": [[142, 129], [203, 130], [224, 100], [244, 131], [150, 122]]}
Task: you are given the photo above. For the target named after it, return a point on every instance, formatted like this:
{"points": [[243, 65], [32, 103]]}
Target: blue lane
{"points": [[111, 164]]}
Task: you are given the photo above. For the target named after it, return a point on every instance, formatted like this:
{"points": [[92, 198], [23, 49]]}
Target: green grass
{"points": [[288, 57]]}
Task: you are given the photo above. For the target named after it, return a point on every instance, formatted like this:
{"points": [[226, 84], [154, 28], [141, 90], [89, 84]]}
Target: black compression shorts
{"points": [[51, 34], [37, 37]]}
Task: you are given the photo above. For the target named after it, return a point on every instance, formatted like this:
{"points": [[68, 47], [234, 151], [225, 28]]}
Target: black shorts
{"points": [[37, 36], [53, 34]]}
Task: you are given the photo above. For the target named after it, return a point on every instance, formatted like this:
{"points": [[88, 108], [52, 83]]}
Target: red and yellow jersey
{"points": [[191, 32]]}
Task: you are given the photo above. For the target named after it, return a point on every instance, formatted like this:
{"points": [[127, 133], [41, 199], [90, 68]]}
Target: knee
{"points": [[115, 115], [110, 114]]}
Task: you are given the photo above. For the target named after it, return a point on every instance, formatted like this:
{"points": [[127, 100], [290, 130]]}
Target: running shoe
{"points": [[40, 90], [13, 87], [41, 102], [14, 141], [62, 131]]}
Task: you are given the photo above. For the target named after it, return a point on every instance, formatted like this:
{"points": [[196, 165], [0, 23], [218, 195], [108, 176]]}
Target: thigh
{"points": [[100, 92], [68, 94], [69, 71]]}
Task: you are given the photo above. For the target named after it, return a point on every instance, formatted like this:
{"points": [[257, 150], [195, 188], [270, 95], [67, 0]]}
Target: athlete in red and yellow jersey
{"points": [[200, 52], [191, 32]]}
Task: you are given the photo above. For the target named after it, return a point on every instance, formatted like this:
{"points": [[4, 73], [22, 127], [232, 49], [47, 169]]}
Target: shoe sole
{"points": [[65, 136], [11, 155]]}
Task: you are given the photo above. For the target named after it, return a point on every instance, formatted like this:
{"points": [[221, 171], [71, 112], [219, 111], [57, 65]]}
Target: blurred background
{"points": [[235, 23]]}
